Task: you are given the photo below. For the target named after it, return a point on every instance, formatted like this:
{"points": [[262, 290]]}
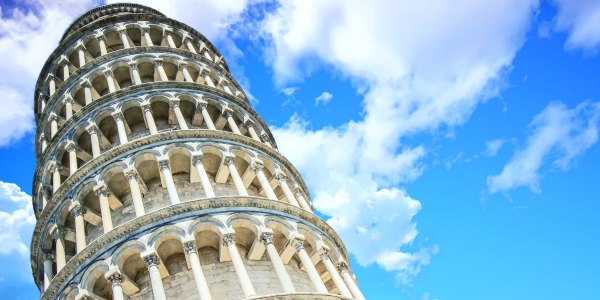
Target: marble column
{"points": [[102, 194], [282, 274], [185, 72], [301, 200], [235, 176], [248, 125], [146, 32], [124, 39], [54, 169], [178, 115], [116, 279], [238, 264], [68, 107], [51, 84], [158, 63], [53, 124], [59, 239], [337, 279], [282, 178], [72, 150], [95, 141], [48, 273], [310, 268], [262, 179], [81, 55], [171, 189], [108, 74], [149, 119], [152, 261], [87, 91], [350, 282], [208, 190], [102, 45], [206, 117], [201, 284], [190, 46], [135, 73], [78, 211], [120, 120], [170, 41], [229, 116], [136, 195]]}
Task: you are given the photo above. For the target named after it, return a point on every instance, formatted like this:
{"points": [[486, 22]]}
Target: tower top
{"points": [[106, 10]]}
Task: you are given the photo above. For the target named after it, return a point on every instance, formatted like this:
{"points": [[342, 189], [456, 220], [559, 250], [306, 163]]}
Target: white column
{"points": [[252, 132], [87, 91], [262, 179], [102, 193], [146, 32], [77, 211], [53, 124], [61, 259], [337, 279], [350, 282], [190, 46], [119, 119], [310, 268], [152, 261], [206, 116], [301, 199], [170, 40], [227, 89], [44, 194], [95, 141], [44, 143], [208, 80], [68, 107], [72, 149], [161, 71], [237, 180], [135, 73], [207, 55], [238, 265], [201, 285], [47, 269], [186, 73], [171, 189], [282, 274], [102, 44], [116, 279], [81, 55], [108, 74], [229, 116], [124, 39], [51, 85], [208, 190], [65, 68], [286, 189], [53, 168], [150, 119], [265, 139], [136, 195], [178, 115]]}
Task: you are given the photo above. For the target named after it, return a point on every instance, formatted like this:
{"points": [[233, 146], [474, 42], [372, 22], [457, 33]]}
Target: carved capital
{"points": [[151, 260], [343, 267], [190, 246], [102, 191], [197, 159], [267, 238], [133, 65], [257, 166], [70, 147], [107, 72], [131, 174], [299, 245], [118, 116], [92, 129], [229, 160], [182, 65], [163, 164], [158, 62], [53, 118], [280, 177], [59, 233], [78, 211], [115, 278], [229, 239], [68, 99]]}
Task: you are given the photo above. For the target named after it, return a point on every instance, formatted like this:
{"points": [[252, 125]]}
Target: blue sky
{"points": [[452, 146]]}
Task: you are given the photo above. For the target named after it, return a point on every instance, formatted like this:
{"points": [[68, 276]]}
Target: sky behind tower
{"points": [[452, 145]]}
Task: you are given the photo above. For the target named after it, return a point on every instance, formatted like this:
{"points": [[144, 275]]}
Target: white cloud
{"points": [[492, 147], [420, 67], [558, 135], [26, 40], [581, 20], [289, 91], [16, 219], [324, 98]]}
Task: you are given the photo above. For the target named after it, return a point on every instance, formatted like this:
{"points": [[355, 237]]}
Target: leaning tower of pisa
{"points": [[156, 179]]}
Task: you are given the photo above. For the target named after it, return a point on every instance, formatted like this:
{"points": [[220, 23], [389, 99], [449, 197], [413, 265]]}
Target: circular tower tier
{"points": [[156, 179]]}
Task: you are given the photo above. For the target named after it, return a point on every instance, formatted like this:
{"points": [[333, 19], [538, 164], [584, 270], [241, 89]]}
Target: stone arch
{"points": [[93, 279]]}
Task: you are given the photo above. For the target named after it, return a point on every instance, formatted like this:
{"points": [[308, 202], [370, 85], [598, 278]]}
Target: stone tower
{"points": [[156, 179]]}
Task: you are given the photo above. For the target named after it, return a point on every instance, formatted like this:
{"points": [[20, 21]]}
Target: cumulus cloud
{"points": [[289, 91], [420, 68], [324, 98], [16, 219], [27, 37], [581, 20], [557, 136]]}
